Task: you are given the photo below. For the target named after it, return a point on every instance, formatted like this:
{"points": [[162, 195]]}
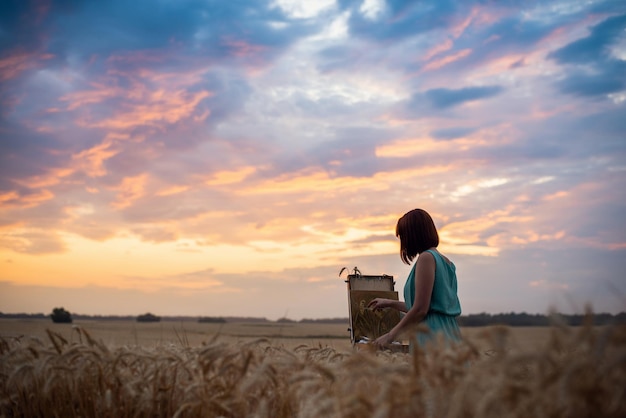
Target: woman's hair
{"points": [[417, 233]]}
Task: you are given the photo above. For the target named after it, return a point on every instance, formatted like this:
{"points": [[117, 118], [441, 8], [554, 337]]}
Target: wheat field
{"points": [[124, 369]]}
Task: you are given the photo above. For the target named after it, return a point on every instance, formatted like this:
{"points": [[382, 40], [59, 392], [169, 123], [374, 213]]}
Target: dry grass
{"points": [[576, 373]]}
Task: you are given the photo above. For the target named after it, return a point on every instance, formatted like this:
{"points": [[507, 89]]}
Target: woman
{"points": [[430, 292]]}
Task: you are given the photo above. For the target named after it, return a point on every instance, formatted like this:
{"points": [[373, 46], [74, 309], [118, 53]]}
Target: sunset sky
{"points": [[218, 158]]}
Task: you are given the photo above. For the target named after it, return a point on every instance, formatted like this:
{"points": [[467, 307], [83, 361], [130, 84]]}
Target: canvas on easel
{"points": [[367, 324]]}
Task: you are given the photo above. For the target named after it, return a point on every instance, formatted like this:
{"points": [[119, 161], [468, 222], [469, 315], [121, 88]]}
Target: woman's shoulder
{"points": [[434, 251], [426, 257], [430, 252]]}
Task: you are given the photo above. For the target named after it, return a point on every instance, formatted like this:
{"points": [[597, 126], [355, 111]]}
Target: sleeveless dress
{"points": [[444, 302]]}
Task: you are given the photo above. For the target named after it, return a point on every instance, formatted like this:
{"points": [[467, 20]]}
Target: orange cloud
{"points": [[486, 137], [98, 94], [31, 241], [312, 181], [557, 195], [466, 237], [230, 177], [162, 108], [76, 211], [9, 196], [129, 190], [52, 177], [36, 198], [411, 146], [91, 161], [151, 98], [532, 236], [13, 199], [172, 190]]}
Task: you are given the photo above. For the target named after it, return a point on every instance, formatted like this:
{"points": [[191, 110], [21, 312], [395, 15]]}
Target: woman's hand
{"points": [[384, 340], [380, 303]]}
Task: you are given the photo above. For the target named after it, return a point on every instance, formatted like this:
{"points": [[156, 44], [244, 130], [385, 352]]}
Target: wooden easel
{"points": [[365, 324]]}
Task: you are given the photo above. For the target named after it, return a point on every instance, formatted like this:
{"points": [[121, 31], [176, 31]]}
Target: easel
{"points": [[365, 324]]}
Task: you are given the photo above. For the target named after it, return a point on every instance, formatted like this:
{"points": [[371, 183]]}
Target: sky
{"points": [[228, 158]]}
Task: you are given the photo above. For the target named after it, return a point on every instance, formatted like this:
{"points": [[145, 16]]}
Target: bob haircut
{"points": [[417, 233]]}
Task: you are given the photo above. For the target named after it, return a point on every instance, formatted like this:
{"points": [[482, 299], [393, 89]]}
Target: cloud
{"points": [[26, 156], [12, 66], [597, 72], [32, 241], [399, 19], [595, 46], [448, 59], [608, 80], [208, 27], [442, 98], [452, 133], [16, 28]]}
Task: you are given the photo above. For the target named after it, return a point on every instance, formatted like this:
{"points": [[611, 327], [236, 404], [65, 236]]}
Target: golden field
{"points": [[190, 369], [193, 333]]}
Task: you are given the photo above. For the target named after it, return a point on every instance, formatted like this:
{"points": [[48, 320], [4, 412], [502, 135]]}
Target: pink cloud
{"points": [[13, 65], [98, 94], [448, 59], [151, 99], [438, 49], [242, 48]]}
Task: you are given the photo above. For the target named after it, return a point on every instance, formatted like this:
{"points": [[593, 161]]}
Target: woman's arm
{"points": [[424, 281]]}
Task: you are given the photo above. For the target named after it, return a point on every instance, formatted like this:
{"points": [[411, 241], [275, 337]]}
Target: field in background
{"points": [[192, 333]]}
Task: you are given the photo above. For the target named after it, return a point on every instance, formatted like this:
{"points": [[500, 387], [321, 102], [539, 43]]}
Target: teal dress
{"points": [[444, 302]]}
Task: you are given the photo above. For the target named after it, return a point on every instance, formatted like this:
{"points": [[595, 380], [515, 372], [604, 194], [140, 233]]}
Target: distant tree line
{"points": [[527, 320], [484, 319], [60, 315], [324, 321], [23, 316], [211, 320]]}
